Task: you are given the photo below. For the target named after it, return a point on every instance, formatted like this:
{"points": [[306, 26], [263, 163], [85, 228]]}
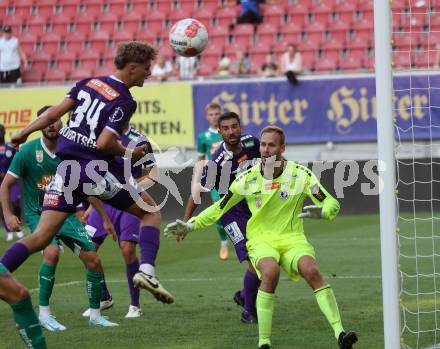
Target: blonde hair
{"points": [[213, 105], [275, 129]]}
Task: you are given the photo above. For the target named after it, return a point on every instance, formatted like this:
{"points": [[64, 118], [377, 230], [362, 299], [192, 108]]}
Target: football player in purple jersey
{"points": [[101, 108]]}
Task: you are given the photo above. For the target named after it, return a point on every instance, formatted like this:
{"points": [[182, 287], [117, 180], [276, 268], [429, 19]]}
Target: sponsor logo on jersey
{"points": [[117, 115], [8, 153], [39, 155], [273, 185], [103, 89], [45, 180], [243, 158]]}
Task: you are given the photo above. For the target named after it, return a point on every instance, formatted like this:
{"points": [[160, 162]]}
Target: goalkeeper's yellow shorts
{"points": [[286, 253]]}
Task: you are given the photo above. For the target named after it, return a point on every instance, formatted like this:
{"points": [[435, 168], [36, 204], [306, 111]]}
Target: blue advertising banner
{"points": [[316, 111]]}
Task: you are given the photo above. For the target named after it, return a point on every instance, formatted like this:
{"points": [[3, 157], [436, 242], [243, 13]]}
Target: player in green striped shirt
{"points": [[36, 164], [275, 191], [207, 144]]}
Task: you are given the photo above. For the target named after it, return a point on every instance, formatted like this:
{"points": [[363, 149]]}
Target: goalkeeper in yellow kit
{"points": [[275, 191]]}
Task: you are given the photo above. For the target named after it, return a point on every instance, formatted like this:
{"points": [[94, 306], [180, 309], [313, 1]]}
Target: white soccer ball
{"points": [[188, 37]]}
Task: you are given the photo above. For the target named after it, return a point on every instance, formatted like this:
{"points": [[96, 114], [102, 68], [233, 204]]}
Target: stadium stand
{"points": [[331, 34]]}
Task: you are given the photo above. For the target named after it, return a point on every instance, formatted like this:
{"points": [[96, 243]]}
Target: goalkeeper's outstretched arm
{"points": [[322, 199], [214, 212]]}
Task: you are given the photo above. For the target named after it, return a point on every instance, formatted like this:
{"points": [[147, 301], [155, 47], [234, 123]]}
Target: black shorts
{"points": [[10, 76]]}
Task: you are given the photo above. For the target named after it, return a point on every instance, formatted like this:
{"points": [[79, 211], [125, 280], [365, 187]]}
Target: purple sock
{"points": [[15, 256], [251, 285], [149, 244], [132, 269], [105, 292]]}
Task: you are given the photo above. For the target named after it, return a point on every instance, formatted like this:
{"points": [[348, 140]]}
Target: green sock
{"points": [[27, 324], [327, 303], [47, 280], [221, 231], [94, 288], [265, 305]]}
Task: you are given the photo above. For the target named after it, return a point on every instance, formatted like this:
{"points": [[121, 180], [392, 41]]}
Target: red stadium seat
{"points": [[99, 40], [167, 51], [204, 15], [103, 71], [356, 54], [37, 24], [91, 6], [64, 60], [339, 30], [308, 59], [218, 35], [179, 14], [267, 33], [210, 4], [213, 50], [399, 6], [146, 35], [60, 23], [23, 7], [425, 60], [322, 12], [315, 31], [359, 45], [226, 15], [156, 21], [84, 22], [298, 13], [55, 75], [369, 63], [243, 33], [32, 76], [132, 21], [406, 41], [309, 45], [123, 36], [346, 11], [117, 6], [332, 45], [69, 7], [212, 61], [187, 5], [350, 63], [259, 51], [45, 8], [274, 14], [28, 42], [80, 74], [40, 60], [108, 21], [75, 41], [402, 60], [51, 42], [326, 65], [142, 7], [434, 22], [363, 26], [414, 22]]}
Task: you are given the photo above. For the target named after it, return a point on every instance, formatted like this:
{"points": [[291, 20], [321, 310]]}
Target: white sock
{"points": [[94, 313], [223, 243], [147, 269], [45, 310]]}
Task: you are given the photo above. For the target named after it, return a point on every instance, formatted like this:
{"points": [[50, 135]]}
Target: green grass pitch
{"points": [[204, 315]]}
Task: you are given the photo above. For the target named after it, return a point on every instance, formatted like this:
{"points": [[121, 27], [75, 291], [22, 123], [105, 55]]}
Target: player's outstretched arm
{"points": [[108, 142], [50, 116], [11, 220]]}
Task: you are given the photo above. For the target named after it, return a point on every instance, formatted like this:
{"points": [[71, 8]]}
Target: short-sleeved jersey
{"points": [[274, 203], [36, 165], [138, 139], [224, 166], [208, 142], [100, 103], [7, 152]]}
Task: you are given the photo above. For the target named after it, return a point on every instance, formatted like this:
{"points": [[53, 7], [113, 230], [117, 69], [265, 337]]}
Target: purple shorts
{"points": [[66, 190], [234, 222], [126, 225], [16, 193]]}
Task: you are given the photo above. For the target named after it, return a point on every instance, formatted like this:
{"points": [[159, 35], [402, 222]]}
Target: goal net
{"points": [[416, 107]]}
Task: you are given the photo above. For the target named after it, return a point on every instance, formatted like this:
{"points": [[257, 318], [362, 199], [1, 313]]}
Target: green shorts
{"points": [[3, 269], [72, 233], [286, 253]]}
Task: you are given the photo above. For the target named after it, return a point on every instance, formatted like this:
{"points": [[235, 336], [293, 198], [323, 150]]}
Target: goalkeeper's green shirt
{"points": [[36, 165], [208, 142], [274, 204]]}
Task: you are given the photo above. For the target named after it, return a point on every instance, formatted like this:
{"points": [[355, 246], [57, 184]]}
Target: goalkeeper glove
{"points": [[178, 228], [312, 211]]}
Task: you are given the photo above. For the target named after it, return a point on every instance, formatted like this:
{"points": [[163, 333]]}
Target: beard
{"points": [[52, 136]]}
